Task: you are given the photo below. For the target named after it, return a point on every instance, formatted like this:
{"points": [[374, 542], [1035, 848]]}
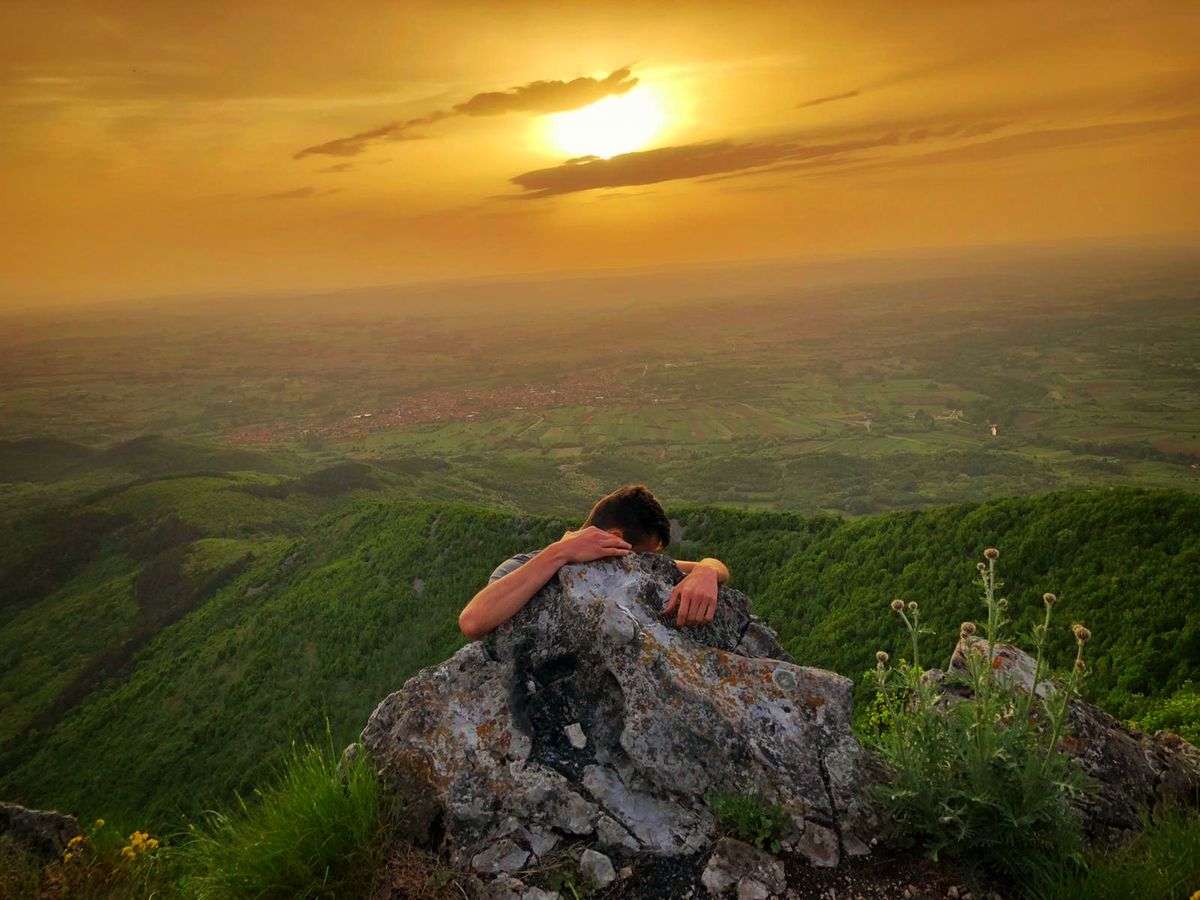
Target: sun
{"points": [[608, 127]]}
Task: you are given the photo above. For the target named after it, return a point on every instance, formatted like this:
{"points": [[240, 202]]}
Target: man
{"points": [[629, 520]]}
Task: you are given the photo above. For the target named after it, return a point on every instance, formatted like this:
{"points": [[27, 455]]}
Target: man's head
{"points": [[635, 512]]}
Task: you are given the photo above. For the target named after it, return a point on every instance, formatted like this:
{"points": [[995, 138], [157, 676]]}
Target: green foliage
{"points": [[568, 881], [1127, 561], [346, 597], [1162, 863], [980, 776], [877, 715], [1179, 713], [749, 817], [314, 832]]}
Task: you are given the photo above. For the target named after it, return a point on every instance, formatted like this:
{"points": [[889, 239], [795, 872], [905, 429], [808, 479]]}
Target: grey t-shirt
{"points": [[510, 565]]}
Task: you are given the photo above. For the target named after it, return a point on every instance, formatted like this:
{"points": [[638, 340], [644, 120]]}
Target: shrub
{"points": [[752, 819], [314, 833], [1179, 713], [974, 761]]}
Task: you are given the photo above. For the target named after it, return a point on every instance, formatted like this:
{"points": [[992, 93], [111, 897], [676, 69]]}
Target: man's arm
{"points": [[505, 597], [722, 571], [694, 600]]}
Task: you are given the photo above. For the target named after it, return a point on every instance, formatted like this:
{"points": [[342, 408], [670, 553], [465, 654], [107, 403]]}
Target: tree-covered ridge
{"points": [[304, 606], [1125, 561]]}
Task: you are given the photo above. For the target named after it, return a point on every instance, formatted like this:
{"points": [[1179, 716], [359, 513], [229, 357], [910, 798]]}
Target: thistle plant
{"points": [[974, 758]]}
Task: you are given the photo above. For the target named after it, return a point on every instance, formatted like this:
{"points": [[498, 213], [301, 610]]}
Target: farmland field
{"points": [[877, 389]]}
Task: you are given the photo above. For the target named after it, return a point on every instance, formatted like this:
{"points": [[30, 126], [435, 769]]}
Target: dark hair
{"points": [[635, 511]]}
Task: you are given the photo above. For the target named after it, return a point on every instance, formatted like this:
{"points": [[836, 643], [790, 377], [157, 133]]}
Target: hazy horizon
{"points": [[930, 262]]}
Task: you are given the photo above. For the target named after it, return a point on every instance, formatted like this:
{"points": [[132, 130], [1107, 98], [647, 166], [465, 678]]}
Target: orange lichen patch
{"points": [[484, 729], [816, 701], [997, 662], [650, 649], [732, 680], [684, 664]]}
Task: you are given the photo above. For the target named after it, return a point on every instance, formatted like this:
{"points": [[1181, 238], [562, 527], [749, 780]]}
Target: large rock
{"points": [[591, 716], [44, 832], [1134, 773]]}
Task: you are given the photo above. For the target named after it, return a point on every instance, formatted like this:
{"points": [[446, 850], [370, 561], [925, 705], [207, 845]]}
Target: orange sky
{"points": [[169, 147]]}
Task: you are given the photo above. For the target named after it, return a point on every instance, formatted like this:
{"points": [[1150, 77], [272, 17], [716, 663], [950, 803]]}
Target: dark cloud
{"points": [[296, 194], [536, 98], [542, 97], [829, 99], [1026, 142], [673, 163], [719, 159], [300, 193], [357, 143]]}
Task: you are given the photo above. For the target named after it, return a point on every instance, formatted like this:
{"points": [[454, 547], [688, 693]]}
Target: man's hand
{"points": [[589, 544], [694, 600]]}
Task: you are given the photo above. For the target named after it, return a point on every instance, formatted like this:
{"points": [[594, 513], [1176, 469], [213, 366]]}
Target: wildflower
{"points": [[991, 553], [981, 567], [898, 605], [1002, 603], [1080, 665], [912, 606], [78, 839], [99, 823], [1081, 634], [966, 629], [881, 657], [1049, 599], [68, 857]]}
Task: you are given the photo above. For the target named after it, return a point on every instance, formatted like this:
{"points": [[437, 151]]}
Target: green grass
{"points": [[749, 817], [316, 831], [1161, 864], [320, 827]]}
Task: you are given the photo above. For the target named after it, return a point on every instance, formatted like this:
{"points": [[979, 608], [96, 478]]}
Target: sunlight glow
{"points": [[608, 127]]}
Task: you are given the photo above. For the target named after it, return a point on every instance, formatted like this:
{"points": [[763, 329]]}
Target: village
{"points": [[444, 406]]}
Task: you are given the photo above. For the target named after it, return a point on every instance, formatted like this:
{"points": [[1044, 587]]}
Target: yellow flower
{"points": [[99, 823], [78, 839], [1195, 896], [152, 843], [67, 858]]}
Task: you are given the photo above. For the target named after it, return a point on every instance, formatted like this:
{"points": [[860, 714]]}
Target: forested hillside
{"points": [[1125, 562], [190, 627]]}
